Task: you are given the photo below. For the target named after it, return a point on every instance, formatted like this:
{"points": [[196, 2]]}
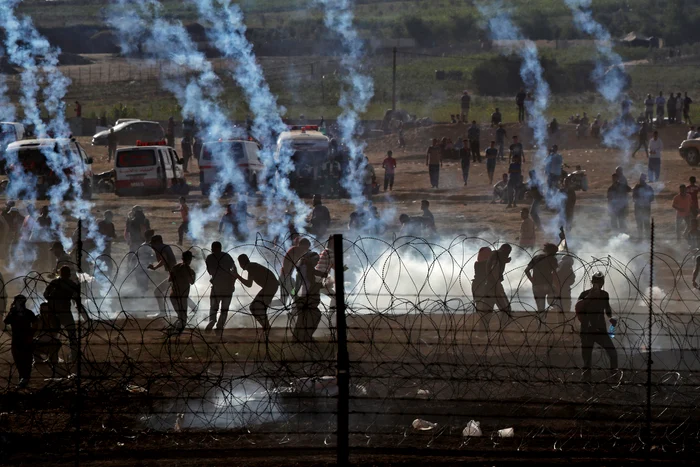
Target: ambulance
{"points": [[245, 154], [309, 150], [148, 168]]}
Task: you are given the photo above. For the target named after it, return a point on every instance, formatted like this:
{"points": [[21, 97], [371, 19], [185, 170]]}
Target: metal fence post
{"points": [[649, 360], [343, 360], [78, 369]]}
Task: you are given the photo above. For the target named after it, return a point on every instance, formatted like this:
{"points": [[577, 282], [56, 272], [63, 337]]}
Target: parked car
{"points": [[31, 154], [130, 132], [148, 168]]}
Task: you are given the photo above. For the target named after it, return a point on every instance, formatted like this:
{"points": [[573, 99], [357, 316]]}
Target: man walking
{"points": [[293, 255], [465, 160], [516, 149], [112, 142], [320, 218], [553, 167], [592, 307], [181, 278], [184, 211], [617, 204], [59, 294], [473, 134], [223, 272], [686, 109], [166, 259], [643, 141], [23, 322], [541, 272], [649, 109], [389, 166], [656, 147], [433, 160], [660, 104], [642, 196]]}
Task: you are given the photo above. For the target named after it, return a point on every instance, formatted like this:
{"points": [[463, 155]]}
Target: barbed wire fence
{"points": [[422, 365]]}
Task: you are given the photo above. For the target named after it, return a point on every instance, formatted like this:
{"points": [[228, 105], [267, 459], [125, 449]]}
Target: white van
{"points": [[30, 154], [309, 150], [243, 152], [148, 168]]}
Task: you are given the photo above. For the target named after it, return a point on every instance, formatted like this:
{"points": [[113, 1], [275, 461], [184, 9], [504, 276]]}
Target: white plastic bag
{"points": [[506, 433], [423, 425], [473, 428]]}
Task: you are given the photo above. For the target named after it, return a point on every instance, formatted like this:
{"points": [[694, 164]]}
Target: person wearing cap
{"points": [[181, 277], [642, 196], [319, 218], [23, 322], [592, 307], [553, 166], [166, 259], [59, 294]]}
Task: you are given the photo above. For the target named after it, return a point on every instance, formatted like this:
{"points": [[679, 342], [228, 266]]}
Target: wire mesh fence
{"points": [[429, 368]]}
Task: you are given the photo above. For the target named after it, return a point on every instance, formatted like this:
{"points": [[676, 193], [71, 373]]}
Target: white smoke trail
{"points": [[139, 25], [609, 73], [227, 32], [356, 94], [29, 50], [502, 28]]}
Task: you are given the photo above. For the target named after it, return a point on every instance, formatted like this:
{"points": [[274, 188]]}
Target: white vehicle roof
{"points": [[124, 120], [122, 124], [41, 142], [149, 146], [310, 136]]}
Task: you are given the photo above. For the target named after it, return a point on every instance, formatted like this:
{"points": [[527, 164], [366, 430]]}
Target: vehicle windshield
{"points": [[232, 149], [33, 159], [136, 158], [305, 154]]}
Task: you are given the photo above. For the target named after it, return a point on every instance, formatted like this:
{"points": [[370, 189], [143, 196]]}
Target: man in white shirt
{"points": [[660, 105], [656, 147]]}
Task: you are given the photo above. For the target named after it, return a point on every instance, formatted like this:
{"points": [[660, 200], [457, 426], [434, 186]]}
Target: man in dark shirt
{"points": [[23, 322], [496, 118], [268, 284], [181, 278], [515, 178], [429, 223], [501, 141], [516, 149], [293, 255], [617, 203], [320, 218], [465, 159], [642, 196], [591, 309], [541, 272], [491, 156], [59, 294], [643, 139], [223, 272], [412, 226], [465, 103], [495, 268], [166, 259]]}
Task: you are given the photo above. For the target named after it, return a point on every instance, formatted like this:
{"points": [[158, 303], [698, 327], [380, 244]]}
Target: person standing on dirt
{"points": [[427, 216], [520, 102], [166, 259], [320, 218], [109, 234], [181, 277], [184, 211], [186, 145], [293, 255], [433, 160], [136, 225], [170, 132], [649, 109], [491, 156], [686, 109], [495, 269], [78, 110], [23, 322], [515, 179], [617, 204], [501, 136], [480, 279], [496, 118], [389, 166], [643, 141], [223, 272], [592, 307], [59, 294], [112, 143], [307, 301], [536, 197], [268, 284], [541, 272], [660, 106], [465, 104], [553, 166], [642, 196], [656, 147], [528, 236], [465, 160], [569, 192], [671, 108], [473, 135], [682, 204]]}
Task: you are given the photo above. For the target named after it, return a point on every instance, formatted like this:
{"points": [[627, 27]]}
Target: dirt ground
{"points": [[457, 209]]}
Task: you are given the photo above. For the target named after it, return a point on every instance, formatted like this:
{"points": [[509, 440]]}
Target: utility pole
{"points": [[393, 85], [343, 363]]}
